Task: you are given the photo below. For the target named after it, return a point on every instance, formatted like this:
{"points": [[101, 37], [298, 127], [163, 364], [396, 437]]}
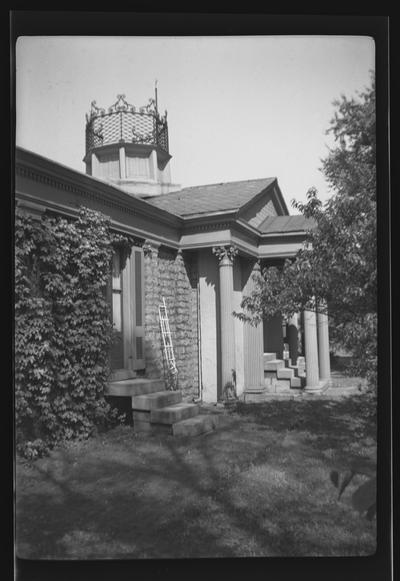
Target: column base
{"points": [[322, 386]]}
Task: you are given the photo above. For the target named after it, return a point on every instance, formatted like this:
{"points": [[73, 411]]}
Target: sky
{"points": [[239, 107]]}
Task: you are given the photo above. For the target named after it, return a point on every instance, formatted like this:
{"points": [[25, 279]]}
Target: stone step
{"points": [[195, 426], [174, 413], [297, 382], [281, 385], [285, 373], [254, 397], [132, 387], [156, 400], [121, 374], [274, 364], [260, 389], [269, 357], [299, 372]]}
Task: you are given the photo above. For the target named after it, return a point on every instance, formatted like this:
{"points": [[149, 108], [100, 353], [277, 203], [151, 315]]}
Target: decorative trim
{"points": [[95, 111], [137, 241], [39, 177], [257, 266], [150, 249], [147, 249], [34, 209], [207, 227], [121, 104], [141, 138], [222, 252], [43, 170]]}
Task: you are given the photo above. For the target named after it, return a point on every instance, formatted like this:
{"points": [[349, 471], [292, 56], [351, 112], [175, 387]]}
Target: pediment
{"points": [[269, 203]]}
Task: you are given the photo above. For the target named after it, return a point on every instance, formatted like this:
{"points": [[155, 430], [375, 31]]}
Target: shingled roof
{"points": [[277, 224], [210, 198]]}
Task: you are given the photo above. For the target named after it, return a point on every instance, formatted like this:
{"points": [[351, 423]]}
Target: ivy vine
{"points": [[63, 327]]}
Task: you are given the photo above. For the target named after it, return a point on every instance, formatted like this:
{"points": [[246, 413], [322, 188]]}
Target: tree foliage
{"points": [[337, 266], [63, 327]]}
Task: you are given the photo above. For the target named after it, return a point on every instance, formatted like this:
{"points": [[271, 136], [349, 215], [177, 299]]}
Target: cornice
{"points": [[290, 254], [37, 203], [41, 177], [43, 170], [193, 228], [271, 237], [251, 231]]}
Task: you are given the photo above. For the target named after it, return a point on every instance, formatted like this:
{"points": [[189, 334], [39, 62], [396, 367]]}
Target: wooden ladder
{"points": [[172, 372]]}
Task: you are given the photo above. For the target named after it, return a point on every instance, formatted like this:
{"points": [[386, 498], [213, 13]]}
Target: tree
{"points": [[337, 265]]}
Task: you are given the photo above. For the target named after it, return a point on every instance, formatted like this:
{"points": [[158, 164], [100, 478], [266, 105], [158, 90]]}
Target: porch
{"points": [[251, 362]]}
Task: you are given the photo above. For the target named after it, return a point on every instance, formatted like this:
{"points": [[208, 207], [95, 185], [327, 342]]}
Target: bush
{"points": [[63, 327]]}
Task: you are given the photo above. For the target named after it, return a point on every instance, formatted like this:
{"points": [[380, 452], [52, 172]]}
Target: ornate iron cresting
{"points": [[124, 123]]}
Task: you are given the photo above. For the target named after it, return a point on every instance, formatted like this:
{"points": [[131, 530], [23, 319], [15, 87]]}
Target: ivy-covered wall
{"points": [[63, 329], [172, 276]]}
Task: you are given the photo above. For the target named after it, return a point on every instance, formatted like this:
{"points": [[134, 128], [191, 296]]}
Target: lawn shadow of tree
{"points": [[122, 510], [77, 518], [333, 422]]}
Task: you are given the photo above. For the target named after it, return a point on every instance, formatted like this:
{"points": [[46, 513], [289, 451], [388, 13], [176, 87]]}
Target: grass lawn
{"points": [[258, 486]]}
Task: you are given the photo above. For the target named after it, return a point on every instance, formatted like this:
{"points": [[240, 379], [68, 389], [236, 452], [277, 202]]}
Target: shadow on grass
{"points": [[349, 418], [105, 522], [154, 501]]}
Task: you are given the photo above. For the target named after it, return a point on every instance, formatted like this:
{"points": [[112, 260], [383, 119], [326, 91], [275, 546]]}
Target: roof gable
{"points": [[212, 198]]}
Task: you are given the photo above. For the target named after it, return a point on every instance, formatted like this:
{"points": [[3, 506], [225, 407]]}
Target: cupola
{"points": [[128, 147]]}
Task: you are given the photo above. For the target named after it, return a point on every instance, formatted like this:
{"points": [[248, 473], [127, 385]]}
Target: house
{"points": [[197, 248]]}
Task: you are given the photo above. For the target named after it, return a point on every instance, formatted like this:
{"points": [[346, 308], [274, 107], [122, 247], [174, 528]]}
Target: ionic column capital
{"points": [[225, 254]]}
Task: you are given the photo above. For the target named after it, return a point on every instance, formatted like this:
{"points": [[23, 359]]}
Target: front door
{"points": [[126, 291], [273, 336]]}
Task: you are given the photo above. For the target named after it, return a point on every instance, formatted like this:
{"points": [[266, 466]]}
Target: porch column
{"points": [[311, 350], [254, 343], [225, 255], [323, 346], [293, 338]]}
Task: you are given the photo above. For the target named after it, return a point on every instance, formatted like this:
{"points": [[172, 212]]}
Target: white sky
{"points": [[238, 107]]}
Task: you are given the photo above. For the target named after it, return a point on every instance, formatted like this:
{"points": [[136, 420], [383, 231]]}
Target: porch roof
{"points": [[210, 198], [281, 224]]}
